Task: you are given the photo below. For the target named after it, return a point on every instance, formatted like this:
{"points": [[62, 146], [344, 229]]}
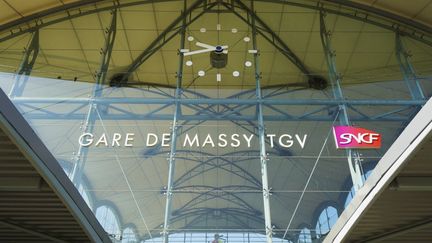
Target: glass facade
{"points": [[185, 156]]}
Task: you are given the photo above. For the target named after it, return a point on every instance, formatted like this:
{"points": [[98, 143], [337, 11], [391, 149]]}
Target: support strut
{"points": [[23, 74], [261, 132], [174, 132], [88, 125], [354, 161], [169, 33], [407, 70]]}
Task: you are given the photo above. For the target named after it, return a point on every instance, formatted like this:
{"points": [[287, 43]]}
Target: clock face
{"points": [[218, 53]]}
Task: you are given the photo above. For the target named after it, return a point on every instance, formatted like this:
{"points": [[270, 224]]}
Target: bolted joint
{"points": [[269, 231], [163, 190], [267, 193]]}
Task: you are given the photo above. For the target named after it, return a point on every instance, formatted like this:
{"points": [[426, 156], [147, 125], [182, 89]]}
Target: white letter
{"points": [[207, 140], [290, 142], [346, 137], [194, 140], [129, 137], [248, 139], [358, 138], [165, 138], [271, 136], [102, 139], [89, 140], [301, 142], [116, 138], [234, 137], [148, 144], [373, 137], [362, 138], [222, 138]]}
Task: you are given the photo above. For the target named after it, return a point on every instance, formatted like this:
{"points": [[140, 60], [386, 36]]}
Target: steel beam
{"points": [[407, 70], [208, 193], [70, 11], [212, 163], [23, 73], [411, 80], [216, 101], [177, 113], [229, 113], [201, 118], [166, 35], [264, 30], [88, 126], [366, 14], [383, 13], [374, 16], [261, 132], [354, 161], [229, 211]]}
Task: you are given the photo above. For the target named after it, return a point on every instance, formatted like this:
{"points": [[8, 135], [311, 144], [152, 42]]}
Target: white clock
{"points": [[218, 54]]}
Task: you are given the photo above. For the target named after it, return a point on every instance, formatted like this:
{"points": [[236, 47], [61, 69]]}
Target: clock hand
{"points": [[197, 52], [209, 48], [205, 45]]}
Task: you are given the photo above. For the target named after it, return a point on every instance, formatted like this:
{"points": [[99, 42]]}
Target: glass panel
{"points": [[127, 124], [326, 220]]}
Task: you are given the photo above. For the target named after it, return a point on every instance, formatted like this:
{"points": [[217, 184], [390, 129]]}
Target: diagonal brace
{"points": [[354, 160], [170, 32], [89, 124], [407, 70], [264, 30], [26, 66]]}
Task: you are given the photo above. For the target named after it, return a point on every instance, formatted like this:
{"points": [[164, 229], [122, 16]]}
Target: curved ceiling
{"points": [[73, 32], [70, 50], [417, 10]]}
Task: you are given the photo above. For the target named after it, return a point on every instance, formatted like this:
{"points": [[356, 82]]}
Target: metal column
{"points": [[407, 70], [166, 36], [88, 126], [174, 132], [26, 66], [335, 79], [269, 35], [261, 132]]}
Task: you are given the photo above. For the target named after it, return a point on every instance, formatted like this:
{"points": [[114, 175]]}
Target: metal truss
{"points": [[407, 70], [410, 77], [263, 154], [366, 14], [207, 162], [206, 193], [174, 127], [23, 73], [185, 19], [91, 117], [359, 12], [354, 161], [241, 216], [267, 33], [234, 108]]}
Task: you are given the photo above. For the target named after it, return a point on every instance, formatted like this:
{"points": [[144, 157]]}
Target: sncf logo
{"points": [[347, 137]]}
